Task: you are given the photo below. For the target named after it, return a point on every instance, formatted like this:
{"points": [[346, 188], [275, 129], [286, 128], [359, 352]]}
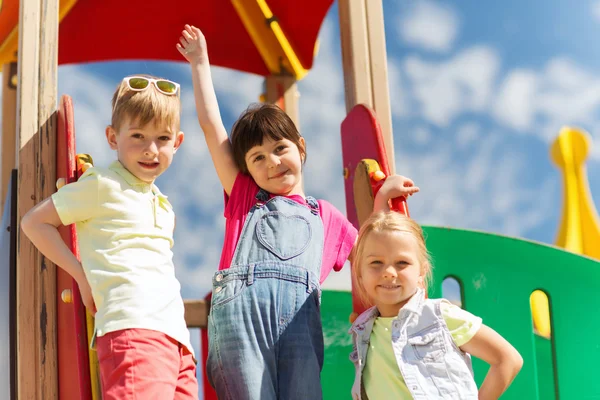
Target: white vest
{"points": [[431, 364]]}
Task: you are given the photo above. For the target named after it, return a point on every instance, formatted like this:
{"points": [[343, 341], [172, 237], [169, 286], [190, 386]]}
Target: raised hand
{"points": [[394, 186], [192, 45]]}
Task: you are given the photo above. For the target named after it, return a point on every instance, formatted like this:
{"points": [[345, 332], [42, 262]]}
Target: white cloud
{"points": [[596, 10], [446, 89], [428, 25], [91, 97], [466, 134], [541, 102], [515, 102], [399, 104], [483, 187], [422, 135]]}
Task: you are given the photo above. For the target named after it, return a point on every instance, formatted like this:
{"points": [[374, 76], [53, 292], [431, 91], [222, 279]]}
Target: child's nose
{"points": [[390, 272], [274, 160], [151, 149]]}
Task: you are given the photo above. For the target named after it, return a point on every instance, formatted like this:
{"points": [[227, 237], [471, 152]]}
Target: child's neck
{"points": [[297, 191]]}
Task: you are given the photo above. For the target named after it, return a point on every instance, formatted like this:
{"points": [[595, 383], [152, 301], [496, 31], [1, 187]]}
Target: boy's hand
{"points": [[86, 296], [394, 186], [192, 45]]}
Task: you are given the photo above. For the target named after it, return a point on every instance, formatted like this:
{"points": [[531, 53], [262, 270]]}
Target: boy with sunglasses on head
{"points": [[125, 230]]}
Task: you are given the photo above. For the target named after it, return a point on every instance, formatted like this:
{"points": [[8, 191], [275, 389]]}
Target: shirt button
{"points": [[219, 278], [218, 289]]}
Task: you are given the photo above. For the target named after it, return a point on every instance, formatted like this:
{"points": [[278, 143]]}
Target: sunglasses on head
{"points": [[139, 83]]}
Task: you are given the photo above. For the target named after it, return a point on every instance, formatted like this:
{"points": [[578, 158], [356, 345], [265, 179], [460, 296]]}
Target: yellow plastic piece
{"points": [[83, 158], [579, 229], [540, 312], [60, 182], [378, 175], [269, 39], [8, 48], [66, 296], [93, 358], [84, 161]]}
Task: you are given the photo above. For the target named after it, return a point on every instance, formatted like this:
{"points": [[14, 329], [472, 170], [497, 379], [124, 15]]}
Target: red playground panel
{"points": [[73, 363], [362, 139]]}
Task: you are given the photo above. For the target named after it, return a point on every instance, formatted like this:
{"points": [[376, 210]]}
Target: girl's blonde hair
{"points": [[388, 222]]}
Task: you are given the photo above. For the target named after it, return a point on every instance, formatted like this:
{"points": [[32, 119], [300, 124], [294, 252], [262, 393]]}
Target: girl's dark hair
{"points": [[256, 123]]}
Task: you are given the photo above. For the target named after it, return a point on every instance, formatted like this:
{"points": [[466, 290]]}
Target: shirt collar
{"points": [[134, 181], [414, 305]]}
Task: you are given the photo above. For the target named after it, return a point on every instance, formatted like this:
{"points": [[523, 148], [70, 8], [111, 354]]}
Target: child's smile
{"points": [[276, 166], [145, 151], [390, 271]]}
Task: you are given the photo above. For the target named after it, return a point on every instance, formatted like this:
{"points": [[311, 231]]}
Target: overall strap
{"points": [[261, 197], [313, 204]]}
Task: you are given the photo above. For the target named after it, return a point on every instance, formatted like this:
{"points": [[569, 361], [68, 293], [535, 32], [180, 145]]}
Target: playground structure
{"points": [[494, 283]]}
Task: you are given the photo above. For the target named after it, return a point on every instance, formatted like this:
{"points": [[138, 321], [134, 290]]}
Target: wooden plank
{"points": [[27, 125], [379, 75], [196, 313], [45, 185], [36, 103], [283, 91], [355, 53], [9, 129]]}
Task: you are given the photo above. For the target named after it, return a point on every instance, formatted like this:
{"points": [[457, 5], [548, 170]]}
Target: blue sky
{"points": [[479, 90]]}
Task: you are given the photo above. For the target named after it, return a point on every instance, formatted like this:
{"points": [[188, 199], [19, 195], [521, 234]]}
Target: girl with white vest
{"points": [[407, 346]]}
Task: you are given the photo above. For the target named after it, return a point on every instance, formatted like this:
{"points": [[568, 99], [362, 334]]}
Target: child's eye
{"points": [[258, 158], [137, 136], [402, 264], [164, 138], [280, 148]]}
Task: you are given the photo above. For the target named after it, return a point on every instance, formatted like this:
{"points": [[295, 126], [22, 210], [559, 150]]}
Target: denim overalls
{"points": [[432, 366], [265, 334]]}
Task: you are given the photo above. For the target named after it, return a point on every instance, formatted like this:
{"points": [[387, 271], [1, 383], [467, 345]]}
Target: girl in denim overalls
{"points": [[410, 347], [265, 336]]}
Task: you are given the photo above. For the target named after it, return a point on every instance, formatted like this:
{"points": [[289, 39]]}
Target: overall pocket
{"points": [[286, 236], [226, 290]]}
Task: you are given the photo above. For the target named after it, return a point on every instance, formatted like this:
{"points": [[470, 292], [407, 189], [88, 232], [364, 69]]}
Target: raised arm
{"points": [[504, 360], [394, 186], [192, 45], [40, 225]]}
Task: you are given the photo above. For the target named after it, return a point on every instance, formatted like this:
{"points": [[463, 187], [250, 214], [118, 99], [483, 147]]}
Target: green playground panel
{"points": [[497, 275]]}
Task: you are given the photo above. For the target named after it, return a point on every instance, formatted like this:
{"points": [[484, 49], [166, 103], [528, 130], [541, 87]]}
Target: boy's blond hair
{"points": [[145, 106], [388, 222]]}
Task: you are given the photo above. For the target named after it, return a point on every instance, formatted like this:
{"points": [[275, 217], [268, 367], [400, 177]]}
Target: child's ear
{"points": [[302, 149], [421, 280], [178, 141], [111, 137]]}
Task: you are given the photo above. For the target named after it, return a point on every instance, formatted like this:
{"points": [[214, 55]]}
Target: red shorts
{"points": [[145, 364]]}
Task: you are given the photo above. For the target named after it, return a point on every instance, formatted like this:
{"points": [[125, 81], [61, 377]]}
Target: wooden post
{"points": [[9, 129], [36, 126], [365, 63], [283, 91]]}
